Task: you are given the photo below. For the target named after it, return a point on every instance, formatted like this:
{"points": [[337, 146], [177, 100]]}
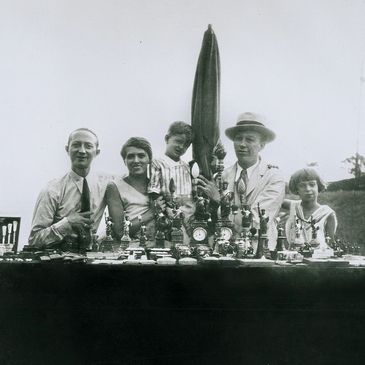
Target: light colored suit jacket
{"points": [[265, 186]]}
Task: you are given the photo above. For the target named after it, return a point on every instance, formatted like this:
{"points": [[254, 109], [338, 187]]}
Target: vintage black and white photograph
{"points": [[182, 181]]}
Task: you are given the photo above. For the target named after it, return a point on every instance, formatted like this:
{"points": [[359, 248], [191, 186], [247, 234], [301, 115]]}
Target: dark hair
{"points": [[180, 128], [305, 175], [83, 130], [138, 142]]}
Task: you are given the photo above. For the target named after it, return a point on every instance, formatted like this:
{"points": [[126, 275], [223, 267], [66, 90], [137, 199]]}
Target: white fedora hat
{"points": [[250, 121]]}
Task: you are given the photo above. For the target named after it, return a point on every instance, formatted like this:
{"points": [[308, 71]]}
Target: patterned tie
{"points": [[242, 185]]}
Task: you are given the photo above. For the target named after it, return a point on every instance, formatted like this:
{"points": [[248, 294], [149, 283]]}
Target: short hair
{"points": [[138, 142], [83, 130], [180, 128], [305, 175]]}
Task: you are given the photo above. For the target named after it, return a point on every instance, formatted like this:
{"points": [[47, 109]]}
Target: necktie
{"points": [[85, 197], [85, 234], [242, 185]]}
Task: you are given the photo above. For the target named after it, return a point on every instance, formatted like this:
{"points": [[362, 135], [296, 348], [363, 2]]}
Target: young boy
{"points": [[171, 166]]}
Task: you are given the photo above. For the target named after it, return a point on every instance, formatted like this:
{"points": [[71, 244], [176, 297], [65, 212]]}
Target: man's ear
{"points": [[97, 151], [166, 138], [66, 148]]}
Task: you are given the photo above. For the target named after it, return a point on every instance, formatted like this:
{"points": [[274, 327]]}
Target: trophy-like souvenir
{"points": [[125, 240], [223, 224], [298, 239], [262, 248], [314, 241], [201, 221]]}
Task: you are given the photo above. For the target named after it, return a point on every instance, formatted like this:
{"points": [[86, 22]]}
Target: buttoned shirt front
{"points": [[249, 171], [61, 197]]}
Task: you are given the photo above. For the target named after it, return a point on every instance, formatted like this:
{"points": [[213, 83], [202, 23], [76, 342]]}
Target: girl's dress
{"points": [[320, 216]]}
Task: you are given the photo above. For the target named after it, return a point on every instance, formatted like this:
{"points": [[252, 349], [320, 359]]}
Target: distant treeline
{"points": [[347, 184]]}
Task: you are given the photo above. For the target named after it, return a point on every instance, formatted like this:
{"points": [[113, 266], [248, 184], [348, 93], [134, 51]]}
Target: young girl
{"points": [[306, 214]]}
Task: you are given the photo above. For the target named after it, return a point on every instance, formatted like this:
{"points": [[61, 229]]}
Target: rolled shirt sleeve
{"points": [[46, 229]]}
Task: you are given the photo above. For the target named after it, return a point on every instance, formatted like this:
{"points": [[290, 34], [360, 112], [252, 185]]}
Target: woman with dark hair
{"points": [[307, 214], [127, 196]]}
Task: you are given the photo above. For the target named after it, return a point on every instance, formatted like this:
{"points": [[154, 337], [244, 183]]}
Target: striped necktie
{"points": [[242, 185]]}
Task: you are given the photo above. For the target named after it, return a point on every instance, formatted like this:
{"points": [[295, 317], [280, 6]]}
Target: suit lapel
{"points": [[256, 178], [229, 176]]}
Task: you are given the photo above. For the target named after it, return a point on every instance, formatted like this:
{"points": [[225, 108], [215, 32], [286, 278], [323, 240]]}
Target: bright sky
{"points": [[126, 67]]}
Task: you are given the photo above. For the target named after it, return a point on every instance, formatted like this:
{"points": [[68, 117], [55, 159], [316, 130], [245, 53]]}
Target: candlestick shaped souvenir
{"points": [[10, 225], [194, 174], [15, 227], [3, 228]]}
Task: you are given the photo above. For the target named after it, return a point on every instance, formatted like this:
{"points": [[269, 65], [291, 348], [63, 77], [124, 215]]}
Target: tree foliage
{"points": [[357, 165]]}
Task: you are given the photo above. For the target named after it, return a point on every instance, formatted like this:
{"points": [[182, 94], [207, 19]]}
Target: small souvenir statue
{"points": [[280, 246], [125, 240], [109, 227], [177, 233], [246, 217], [142, 232], [127, 224], [243, 244], [162, 224], [226, 201], [95, 245], [107, 243], [201, 208], [263, 222], [262, 248]]}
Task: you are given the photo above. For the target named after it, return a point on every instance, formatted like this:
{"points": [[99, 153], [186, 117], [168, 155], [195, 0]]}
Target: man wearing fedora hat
{"points": [[251, 178]]}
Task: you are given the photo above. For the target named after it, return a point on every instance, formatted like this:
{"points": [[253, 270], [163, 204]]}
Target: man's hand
{"points": [[78, 220], [209, 188]]}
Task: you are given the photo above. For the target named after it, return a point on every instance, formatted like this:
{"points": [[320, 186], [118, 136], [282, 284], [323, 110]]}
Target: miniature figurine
{"points": [[226, 200], [142, 233]]}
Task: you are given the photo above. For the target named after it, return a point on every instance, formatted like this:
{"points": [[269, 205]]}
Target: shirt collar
{"points": [[79, 180], [249, 171], [171, 161]]}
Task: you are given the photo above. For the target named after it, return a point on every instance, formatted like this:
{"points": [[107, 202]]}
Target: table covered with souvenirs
{"points": [[134, 304]]}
